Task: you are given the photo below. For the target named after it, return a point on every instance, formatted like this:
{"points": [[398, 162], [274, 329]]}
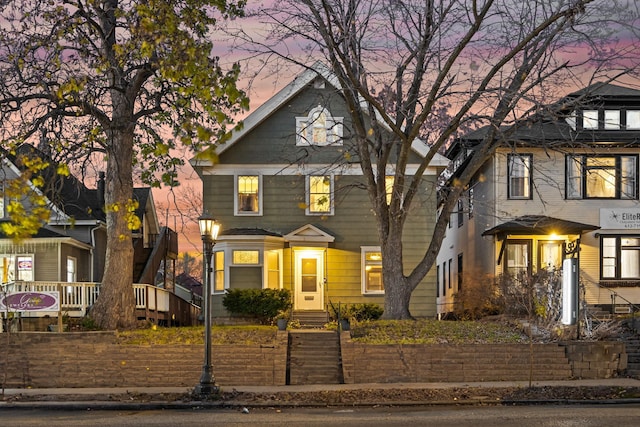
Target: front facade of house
{"points": [[566, 186], [288, 192]]}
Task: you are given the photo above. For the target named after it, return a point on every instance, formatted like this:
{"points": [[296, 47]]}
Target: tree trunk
{"points": [[397, 290], [115, 307]]}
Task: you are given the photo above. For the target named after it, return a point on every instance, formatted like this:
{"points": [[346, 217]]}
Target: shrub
{"points": [[263, 304], [358, 312]]}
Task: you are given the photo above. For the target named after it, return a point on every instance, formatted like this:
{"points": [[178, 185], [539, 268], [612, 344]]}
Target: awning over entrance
{"points": [[538, 225]]}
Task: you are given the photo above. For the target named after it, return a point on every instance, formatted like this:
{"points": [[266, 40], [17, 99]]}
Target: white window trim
{"points": [[228, 262], [75, 269], [363, 278], [304, 128], [307, 185], [237, 212]]}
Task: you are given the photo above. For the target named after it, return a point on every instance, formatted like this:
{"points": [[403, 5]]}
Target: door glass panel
{"points": [[309, 274], [517, 258], [550, 255]]}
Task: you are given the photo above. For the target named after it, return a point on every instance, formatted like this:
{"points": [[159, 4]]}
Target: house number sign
{"points": [[620, 218]]}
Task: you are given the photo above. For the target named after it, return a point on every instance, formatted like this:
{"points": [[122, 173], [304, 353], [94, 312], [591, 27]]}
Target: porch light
{"points": [[209, 229]]}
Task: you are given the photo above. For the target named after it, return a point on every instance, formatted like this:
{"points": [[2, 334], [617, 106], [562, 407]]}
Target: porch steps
{"points": [[311, 318], [313, 357], [598, 314]]}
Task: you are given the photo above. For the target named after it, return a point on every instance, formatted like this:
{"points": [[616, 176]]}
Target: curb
{"points": [[147, 406]]}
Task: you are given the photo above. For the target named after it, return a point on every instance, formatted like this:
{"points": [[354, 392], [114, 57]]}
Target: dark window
{"points": [[460, 213], [444, 279], [437, 281]]}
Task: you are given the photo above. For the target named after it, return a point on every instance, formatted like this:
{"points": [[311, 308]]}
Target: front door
{"points": [[309, 280]]}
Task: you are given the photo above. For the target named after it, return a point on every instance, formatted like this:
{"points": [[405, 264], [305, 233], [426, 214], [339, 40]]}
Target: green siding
{"points": [[283, 200]]}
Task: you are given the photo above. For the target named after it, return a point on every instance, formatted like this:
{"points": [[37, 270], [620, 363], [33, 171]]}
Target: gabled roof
{"points": [[309, 233], [538, 225], [281, 98]]}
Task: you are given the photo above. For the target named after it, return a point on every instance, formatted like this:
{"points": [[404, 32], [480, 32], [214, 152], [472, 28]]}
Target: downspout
{"points": [[92, 252]]}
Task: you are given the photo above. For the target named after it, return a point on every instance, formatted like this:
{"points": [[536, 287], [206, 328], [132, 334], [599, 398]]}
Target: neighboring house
{"points": [[288, 192], [565, 184], [71, 246]]}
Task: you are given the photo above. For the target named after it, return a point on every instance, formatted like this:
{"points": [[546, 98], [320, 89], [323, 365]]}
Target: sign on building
{"points": [[620, 218]]}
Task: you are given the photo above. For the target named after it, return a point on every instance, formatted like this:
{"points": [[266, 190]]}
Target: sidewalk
{"points": [[615, 390]]}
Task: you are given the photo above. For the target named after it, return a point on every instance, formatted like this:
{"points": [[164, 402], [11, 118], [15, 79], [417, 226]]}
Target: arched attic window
{"points": [[319, 128]]}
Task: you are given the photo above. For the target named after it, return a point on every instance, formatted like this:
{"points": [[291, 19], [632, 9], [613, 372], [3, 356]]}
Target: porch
{"points": [[157, 305]]}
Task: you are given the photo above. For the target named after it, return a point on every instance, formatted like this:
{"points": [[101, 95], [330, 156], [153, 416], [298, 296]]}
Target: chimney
{"points": [[101, 190]]}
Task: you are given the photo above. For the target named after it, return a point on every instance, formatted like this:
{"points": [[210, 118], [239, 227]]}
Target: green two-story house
{"points": [[289, 193]]}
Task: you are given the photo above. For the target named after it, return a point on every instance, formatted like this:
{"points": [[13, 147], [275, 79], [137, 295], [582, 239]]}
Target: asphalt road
{"points": [[621, 415]]}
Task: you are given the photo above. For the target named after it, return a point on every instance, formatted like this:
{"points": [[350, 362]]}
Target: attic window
{"points": [[319, 128], [590, 119], [633, 119], [612, 119]]}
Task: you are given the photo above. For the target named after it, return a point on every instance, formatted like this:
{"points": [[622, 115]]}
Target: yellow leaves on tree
{"points": [[27, 208], [129, 208]]}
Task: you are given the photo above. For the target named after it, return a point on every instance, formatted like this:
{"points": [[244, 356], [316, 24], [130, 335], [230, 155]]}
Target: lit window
{"points": [[610, 177], [590, 119], [388, 185], [248, 194], [319, 195], [1, 200], [620, 257], [612, 119], [372, 270], [319, 128], [218, 271], [273, 269], [633, 119], [246, 257], [519, 171], [517, 256]]}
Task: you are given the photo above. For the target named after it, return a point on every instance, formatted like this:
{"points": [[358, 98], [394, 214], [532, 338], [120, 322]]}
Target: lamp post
{"points": [[209, 229]]}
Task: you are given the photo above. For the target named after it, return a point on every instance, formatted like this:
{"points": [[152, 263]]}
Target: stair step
{"points": [[314, 358]]}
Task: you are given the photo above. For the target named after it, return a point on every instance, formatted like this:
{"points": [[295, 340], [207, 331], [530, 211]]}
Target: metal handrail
{"points": [[615, 295]]}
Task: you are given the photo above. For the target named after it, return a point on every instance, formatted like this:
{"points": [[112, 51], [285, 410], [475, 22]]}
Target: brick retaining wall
{"points": [[95, 359], [363, 363]]}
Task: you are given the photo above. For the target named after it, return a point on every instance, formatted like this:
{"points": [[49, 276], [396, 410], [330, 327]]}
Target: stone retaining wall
{"points": [[592, 360]]}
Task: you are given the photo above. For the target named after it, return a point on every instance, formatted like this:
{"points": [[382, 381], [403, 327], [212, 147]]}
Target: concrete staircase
{"points": [[311, 318], [313, 357], [598, 314], [631, 339]]}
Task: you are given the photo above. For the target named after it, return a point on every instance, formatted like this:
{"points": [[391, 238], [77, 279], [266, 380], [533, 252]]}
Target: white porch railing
{"points": [[76, 298]]}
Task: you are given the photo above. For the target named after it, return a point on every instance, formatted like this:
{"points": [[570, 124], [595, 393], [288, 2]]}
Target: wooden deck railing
{"points": [[76, 298]]}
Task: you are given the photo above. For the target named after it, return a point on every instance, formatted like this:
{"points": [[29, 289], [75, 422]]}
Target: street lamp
{"points": [[209, 229]]}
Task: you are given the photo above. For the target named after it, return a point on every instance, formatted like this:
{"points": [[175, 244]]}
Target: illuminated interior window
{"points": [[248, 194], [218, 271], [320, 194], [372, 270], [273, 269], [319, 128], [388, 184], [246, 257]]}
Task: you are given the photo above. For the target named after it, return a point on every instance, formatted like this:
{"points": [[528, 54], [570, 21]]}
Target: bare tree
{"points": [[489, 62], [124, 80]]}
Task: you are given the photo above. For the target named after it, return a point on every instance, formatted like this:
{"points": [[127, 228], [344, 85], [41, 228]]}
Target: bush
{"points": [[358, 312], [263, 304]]}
